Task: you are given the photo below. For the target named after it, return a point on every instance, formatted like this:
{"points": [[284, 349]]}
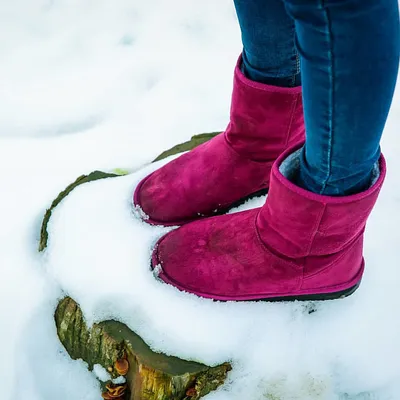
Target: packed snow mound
{"points": [[99, 253]]}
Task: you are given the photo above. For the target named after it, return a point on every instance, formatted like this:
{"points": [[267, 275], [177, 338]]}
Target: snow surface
{"points": [[95, 84]]}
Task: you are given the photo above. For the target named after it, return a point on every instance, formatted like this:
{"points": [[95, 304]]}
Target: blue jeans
{"points": [[349, 58]]}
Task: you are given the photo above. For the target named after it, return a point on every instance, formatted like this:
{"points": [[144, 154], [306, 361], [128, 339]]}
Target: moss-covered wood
{"points": [[151, 376]]}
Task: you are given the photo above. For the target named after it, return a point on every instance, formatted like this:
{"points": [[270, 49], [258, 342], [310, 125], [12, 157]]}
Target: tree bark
{"points": [[151, 376]]}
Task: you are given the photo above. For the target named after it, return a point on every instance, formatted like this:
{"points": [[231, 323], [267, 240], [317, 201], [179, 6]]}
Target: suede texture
{"points": [[298, 244], [264, 121]]}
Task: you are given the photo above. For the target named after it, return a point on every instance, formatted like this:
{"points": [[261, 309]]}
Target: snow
{"points": [[92, 85], [118, 381], [101, 373]]}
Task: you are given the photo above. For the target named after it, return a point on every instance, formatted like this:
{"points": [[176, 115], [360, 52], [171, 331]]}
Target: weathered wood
{"points": [[151, 376]]}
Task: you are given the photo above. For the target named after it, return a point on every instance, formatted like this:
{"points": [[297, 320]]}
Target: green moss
{"points": [[189, 145], [120, 171]]}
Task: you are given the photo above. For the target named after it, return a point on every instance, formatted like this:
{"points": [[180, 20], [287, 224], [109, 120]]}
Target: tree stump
{"points": [[150, 375], [111, 344]]}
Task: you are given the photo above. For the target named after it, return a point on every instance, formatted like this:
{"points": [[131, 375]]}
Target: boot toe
{"points": [[161, 199], [150, 197], [178, 260]]}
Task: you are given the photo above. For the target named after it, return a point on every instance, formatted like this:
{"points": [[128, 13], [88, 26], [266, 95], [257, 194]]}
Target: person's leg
{"points": [[350, 57], [268, 36]]}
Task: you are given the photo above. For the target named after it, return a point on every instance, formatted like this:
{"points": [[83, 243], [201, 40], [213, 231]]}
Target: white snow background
{"points": [[97, 84]]}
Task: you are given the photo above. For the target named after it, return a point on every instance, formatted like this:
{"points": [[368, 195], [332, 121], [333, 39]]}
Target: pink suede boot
{"points": [[299, 245], [233, 166]]}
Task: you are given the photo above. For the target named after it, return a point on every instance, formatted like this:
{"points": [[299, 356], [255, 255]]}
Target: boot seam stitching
{"points": [[262, 244], [315, 228], [240, 155], [337, 284], [327, 267], [345, 250], [294, 106]]}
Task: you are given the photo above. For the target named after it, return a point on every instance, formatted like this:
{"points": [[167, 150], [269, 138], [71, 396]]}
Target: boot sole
{"points": [[341, 294], [304, 298], [316, 297]]}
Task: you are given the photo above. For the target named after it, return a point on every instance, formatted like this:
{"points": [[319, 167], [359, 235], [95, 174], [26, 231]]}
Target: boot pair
{"points": [[297, 246]]}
